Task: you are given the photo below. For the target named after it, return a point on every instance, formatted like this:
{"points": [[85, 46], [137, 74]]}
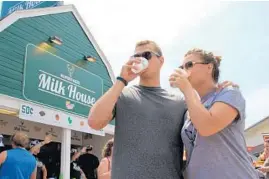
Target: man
{"points": [[88, 163], [18, 163], [75, 171], [51, 157], [148, 121]]}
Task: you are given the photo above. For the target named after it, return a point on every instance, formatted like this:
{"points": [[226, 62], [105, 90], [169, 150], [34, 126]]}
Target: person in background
{"points": [[75, 171], [88, 162], [260, 174], [104, 169], [18, 163], [213, 132], [51, 158], [265, 157], [265, 153], [35, 146]]}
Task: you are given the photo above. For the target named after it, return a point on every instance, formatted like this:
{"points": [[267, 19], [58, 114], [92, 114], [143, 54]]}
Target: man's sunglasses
{"points": [[190, 64], [147, 55]]}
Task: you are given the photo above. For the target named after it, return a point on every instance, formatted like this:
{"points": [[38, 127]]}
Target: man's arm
{"points": [[33, 176], [78, 154], [36, 147], [102, 111], [47, 140], [3, 156]]}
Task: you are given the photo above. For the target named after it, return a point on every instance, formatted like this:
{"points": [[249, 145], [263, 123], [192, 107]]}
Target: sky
{"points": [[237, 31]]}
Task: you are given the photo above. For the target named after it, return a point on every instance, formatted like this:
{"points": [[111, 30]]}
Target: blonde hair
{"points": [[153, 44], [107, 150], [20, 139]]}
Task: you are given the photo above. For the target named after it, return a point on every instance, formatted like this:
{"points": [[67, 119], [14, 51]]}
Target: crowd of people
{"points": [[23, 161]]}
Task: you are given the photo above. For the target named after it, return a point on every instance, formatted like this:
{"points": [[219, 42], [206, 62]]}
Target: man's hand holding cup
{"points": [[133, 68]]}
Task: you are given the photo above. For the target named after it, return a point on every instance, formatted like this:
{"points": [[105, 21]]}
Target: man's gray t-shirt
{"points": [[224, 154], [147, 142]]}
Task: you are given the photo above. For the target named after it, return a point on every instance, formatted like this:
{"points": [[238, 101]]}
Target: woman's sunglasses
{"points": [[190, 64], [147, 55]]}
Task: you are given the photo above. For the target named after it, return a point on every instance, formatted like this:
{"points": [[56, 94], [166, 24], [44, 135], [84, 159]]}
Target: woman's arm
{"points": [[220, 115], [102, 171], [209, 122], [44, 171]]}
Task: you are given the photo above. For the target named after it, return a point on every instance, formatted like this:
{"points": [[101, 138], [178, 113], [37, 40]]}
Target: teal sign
{"points": [[53, 81], [9, 7]]}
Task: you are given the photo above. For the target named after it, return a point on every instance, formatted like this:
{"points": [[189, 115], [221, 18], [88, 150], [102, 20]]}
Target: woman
{"points": [[18, 162], [104, 169], [214, 125]]}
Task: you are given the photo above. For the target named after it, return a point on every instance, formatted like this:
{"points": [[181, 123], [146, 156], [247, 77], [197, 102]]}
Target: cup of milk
{"points": [[140, 66]]}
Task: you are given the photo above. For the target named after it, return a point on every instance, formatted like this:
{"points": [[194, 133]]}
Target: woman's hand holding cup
{"points": [[179, 79]]}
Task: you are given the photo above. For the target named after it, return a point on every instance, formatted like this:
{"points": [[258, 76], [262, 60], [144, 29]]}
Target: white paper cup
{"points": [[173, 86], [140, 66]]}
